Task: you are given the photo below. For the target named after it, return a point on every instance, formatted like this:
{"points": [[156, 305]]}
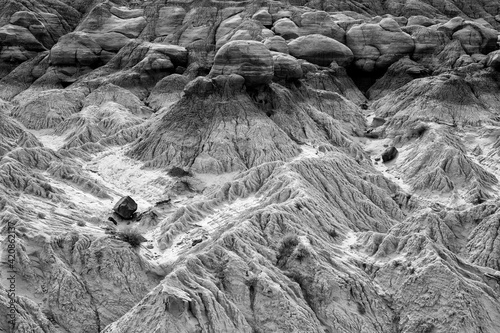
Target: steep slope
{"points": [[321, 166]]}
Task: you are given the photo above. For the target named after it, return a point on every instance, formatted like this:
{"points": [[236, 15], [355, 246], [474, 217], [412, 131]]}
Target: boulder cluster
{"points": [[369, 46], [240, 42]]}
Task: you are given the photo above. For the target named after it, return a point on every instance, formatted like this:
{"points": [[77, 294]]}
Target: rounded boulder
{"points": [[250, 59], [286, 28], [276, 43], [286, 67], [263, 17], [321, 22], [320, 50]]}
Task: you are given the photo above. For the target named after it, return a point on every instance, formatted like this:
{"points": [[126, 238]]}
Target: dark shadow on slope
{"points": [[364, 80]]}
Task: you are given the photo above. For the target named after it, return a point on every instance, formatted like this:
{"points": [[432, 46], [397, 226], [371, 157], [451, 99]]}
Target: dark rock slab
{"points": [[125, 207]]}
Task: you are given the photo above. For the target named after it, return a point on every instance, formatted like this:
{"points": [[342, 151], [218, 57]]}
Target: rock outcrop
{"points": [[332, 164], [29, 28], [251, 60], [462, 100], [231, 124], [286, 67], [377, 46], [320, 50]]}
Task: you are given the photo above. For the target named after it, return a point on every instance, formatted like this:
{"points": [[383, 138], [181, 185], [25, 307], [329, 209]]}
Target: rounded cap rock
{"points": [[320, 50], [250, 59]]}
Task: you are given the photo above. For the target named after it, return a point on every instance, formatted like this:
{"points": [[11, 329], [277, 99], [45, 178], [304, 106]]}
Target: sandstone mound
{"points": [[28, 28], [167, 91], [231, 131], [377, 46], [113, 26], [485, 10], [320, 50], [244, 30], [103, 32], [333, 79], [277, 44], [111, 93], [137, 67], [170, 19], [252, 60], [75, 50], [441, 45], [428, 41], [326, 121], [294, 119], [46, 109], [474, 37], [457, 100], [94, 124], [286, 67], [320, 22]]}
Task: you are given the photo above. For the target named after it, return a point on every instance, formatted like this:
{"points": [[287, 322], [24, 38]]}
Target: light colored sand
{"points": [[125, 176], [48, 138], [308, 151], [375, 147]]}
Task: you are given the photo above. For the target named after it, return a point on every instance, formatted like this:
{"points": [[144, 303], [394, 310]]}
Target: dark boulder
{"points": [[179, 172], [125, 207], [372, 134], [377, 122], [196, 241], [389, 154]]}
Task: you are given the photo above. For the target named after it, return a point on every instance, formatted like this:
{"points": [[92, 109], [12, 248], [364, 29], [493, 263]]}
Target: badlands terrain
{"points": [[299, 166]]}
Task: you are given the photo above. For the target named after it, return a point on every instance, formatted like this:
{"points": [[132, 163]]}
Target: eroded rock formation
{"points": [[323, 166]]}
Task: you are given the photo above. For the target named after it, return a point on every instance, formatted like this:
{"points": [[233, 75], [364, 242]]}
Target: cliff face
{"points": [[251, 136]]}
